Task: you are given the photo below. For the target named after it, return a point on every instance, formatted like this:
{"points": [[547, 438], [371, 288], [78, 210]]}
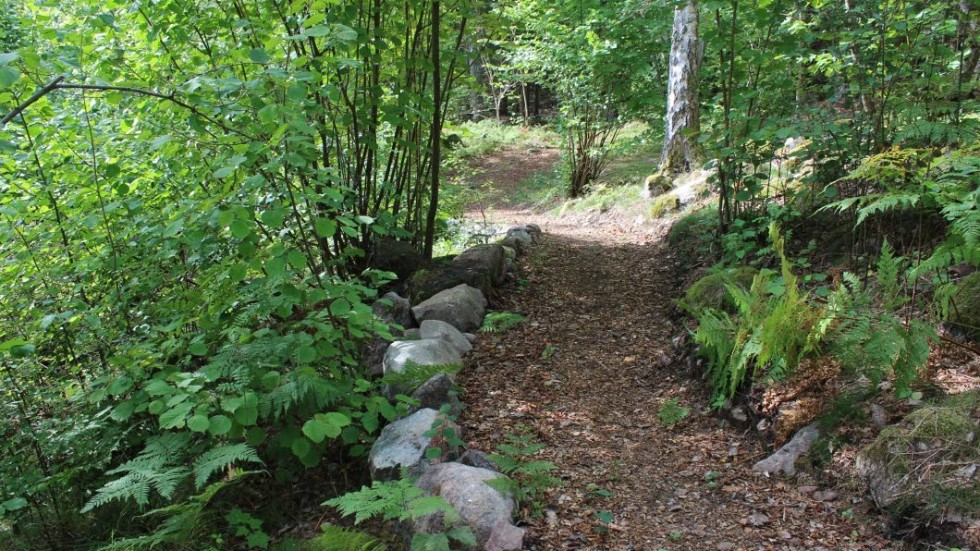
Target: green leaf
{"points": [[120, 385], [340, 307], [325, 227], [258, 55], [175, 416], [219, 425], [325, 425], [274, 218], [241, 228], [8, 76], [198, 349], [199, 423], [296, 259], [301, 447]]}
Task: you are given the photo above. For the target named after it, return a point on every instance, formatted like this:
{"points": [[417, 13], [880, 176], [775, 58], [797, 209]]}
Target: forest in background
{"points": [[192, 194]]}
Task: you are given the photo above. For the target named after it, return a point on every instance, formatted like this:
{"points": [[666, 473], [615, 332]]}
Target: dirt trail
{"points": [[588, 373]]}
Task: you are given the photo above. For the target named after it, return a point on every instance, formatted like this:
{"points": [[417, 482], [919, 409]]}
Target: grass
{"points": [[484, 137]]}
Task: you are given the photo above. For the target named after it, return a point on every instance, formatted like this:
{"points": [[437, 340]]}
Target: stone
{"points": [[510, 253], [437, 329], [463, 307], [427, 283], [758, 519], [784, 460], [470, 337], [518, 239], [421, 352], [438, 391], [917, 461], [824, 495], [485, 258], [484, 509], [402, 445], [478, 459], [399, 257], [393, 308], [532, 230]]}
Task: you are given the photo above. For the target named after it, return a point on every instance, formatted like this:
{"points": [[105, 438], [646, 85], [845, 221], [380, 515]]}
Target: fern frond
{"points": [[221, 457], [339, 538], [388, 500]]}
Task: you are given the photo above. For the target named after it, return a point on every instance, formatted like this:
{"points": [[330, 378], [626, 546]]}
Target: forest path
{"points": [[588, 372]]}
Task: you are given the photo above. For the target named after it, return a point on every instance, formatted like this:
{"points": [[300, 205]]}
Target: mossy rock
{"points": [[922, 469], [711, 291], [964, 309], [664, 204], [657, 184]]}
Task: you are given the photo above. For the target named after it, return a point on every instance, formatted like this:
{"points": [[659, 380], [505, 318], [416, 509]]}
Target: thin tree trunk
{"points": [[681, 151], [436, 135]]}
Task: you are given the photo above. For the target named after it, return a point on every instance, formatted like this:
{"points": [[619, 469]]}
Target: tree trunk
{"points": [[682, 152], [435, 135]]}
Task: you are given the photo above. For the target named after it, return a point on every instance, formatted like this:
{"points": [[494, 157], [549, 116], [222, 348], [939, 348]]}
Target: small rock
{"points": [[726, 546], [807, 490], [478, 459], [785, 535], [879, 416], [784, 460], [738, 414]]}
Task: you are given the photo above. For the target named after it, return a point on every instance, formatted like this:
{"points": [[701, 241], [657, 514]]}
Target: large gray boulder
{"points": [[436, 329], [481, 507], [484, 258], [402, 354], [402, 445], [462, 307]]}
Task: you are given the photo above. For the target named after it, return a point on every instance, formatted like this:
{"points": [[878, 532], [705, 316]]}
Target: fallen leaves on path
{"points": [[588, 372]]}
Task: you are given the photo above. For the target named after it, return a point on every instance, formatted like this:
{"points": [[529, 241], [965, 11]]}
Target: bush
{"points": [[964, 306]]}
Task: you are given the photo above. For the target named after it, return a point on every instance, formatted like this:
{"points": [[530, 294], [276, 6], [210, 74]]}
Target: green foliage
{"points": [[246, 526], [527, 479], [671, 412], [774, 328], [500, 322], [336, 538], [962, 305], [874, 342], [414, 375], [402, 500]]}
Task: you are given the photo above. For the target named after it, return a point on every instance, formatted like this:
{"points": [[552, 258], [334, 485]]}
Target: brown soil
{"points": [[588, 372]]}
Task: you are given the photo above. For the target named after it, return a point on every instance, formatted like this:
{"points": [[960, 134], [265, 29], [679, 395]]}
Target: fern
{"points": [[387, 500], [181, 525], [414, 374], [154, 468], [338, 538], [221, 457], [499, 322]]}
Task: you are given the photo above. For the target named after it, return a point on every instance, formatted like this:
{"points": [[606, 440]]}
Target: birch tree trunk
{"points": [[682, 152]]}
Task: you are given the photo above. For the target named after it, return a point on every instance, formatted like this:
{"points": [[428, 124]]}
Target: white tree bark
{"points": [[682, 152]]}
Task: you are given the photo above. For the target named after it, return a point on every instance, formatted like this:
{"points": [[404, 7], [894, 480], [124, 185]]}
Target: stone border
{"points": [[440, 331]]}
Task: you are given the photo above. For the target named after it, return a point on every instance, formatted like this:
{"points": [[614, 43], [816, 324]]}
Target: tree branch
{"points": [[34, 98], [57, 84]]}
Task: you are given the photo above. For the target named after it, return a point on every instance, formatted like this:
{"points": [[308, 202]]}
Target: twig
{"points": [[34, 98]]}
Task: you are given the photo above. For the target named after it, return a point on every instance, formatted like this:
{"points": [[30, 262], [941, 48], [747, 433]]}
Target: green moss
{"points": [[711, 291], [664, 204], [694, 227], [923, 459], [657, 184], [964, 310]]}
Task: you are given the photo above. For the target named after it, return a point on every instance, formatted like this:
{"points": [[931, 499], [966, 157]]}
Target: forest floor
{"points": [[588, 372]]}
